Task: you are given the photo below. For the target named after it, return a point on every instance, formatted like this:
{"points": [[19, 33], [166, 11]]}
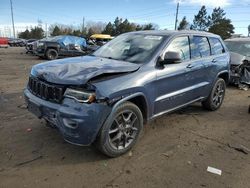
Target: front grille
{"points": [[41, 89]]}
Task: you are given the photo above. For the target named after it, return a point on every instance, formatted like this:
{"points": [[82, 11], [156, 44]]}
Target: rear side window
{"points": [[180, 45], [216, 46], [200, 47]]}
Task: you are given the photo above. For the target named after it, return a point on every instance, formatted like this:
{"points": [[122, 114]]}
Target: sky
{"points": [[161, 12]]}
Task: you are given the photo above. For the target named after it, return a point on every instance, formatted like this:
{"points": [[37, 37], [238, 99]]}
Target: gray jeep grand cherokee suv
{"points": [[107, 97]]}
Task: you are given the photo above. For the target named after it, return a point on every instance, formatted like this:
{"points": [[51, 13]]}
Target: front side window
{"points": [[216, 46], [180, 45], [134, 48], [200, 47]]}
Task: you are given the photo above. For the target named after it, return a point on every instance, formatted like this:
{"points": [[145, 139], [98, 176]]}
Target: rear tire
{"points": [[215, 99], [51, 54], [119, 136]]}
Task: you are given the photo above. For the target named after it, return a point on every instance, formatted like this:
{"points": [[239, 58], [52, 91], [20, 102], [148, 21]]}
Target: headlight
{"points": [[40, 44], [80, 96]]}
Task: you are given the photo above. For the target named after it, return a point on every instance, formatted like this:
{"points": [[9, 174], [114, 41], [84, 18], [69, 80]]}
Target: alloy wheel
{"points": [[123, 130], [218, 94]]}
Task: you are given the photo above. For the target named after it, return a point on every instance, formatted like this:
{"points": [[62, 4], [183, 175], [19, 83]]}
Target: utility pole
{"points": [[46, 30], [83, 24], [14, 33], [249, 31], [176, 16]]}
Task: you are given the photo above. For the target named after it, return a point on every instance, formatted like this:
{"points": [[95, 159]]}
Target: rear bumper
{"points": [[78, 123]]}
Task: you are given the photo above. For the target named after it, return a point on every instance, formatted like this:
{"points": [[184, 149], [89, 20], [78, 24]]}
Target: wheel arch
{"points": [[139, 99], [225, 76], [141, 102], [134, 98], [51, 47]]}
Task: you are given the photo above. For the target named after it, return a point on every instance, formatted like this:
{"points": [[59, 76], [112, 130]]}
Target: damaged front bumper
{"points": [[240, 74], [78, 123]]}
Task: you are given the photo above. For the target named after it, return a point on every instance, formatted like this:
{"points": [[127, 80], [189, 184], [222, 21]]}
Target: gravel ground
{"points": [[175, 150]]}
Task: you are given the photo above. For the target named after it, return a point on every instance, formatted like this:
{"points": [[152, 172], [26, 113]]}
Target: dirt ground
{"points": [[175, 150]]}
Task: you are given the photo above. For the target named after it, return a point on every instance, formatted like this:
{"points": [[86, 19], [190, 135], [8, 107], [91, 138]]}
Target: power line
{"points": [[152, 16]]}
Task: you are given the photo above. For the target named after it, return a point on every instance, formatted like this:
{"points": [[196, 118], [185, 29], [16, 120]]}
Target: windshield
{"points": [[131, 47], [52, 39], [240, 47]]}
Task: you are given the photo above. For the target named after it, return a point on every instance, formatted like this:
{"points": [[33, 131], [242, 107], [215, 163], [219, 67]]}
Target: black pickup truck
{"points": [[63, 45]]}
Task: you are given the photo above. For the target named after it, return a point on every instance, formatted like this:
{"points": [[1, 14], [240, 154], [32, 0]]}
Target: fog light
{"points": [[72, 124]]}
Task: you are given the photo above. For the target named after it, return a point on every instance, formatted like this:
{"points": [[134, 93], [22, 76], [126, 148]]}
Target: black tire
{"points": [[51, 54], [41, 57], [216, 97], [119, 136]]}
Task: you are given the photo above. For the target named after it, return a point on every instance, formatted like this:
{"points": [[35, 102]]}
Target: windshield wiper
{"points": [[111, 58]]}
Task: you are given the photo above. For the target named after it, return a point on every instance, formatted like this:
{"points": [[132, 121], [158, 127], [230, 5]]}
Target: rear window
{"points": [[216, 46], [200, 47]]}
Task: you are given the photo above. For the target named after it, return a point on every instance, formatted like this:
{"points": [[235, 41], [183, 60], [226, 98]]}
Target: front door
{"points": [[172, 87]]}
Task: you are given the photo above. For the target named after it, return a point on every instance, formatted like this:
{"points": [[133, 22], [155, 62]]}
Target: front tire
{"points": [[119, 136], [51, 54], [216, 97]]}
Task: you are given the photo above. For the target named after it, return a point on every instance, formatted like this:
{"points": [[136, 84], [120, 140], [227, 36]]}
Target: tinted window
{"points": [[180, 45], [216, 46], [200, 47], [241, 47]]}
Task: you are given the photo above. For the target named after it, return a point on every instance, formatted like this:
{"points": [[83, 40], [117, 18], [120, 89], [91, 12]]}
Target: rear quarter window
{"points": [[200, 47], [216, 46]]}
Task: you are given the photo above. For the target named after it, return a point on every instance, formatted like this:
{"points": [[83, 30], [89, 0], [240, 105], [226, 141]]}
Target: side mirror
{"points": [[172, 58]]}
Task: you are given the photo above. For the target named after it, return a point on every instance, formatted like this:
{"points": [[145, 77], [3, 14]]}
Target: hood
{"points": [[79, 70], [237, 59]]}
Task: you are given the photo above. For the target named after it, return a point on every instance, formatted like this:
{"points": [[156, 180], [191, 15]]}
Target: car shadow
{"points": [[47, 147], [52, 147]]}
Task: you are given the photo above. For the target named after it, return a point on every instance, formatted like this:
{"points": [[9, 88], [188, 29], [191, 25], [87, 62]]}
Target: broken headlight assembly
{"points": [[40, 44], [81, 96]]}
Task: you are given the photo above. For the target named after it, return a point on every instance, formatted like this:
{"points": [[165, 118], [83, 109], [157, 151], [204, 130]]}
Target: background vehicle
{"points": [[100, 39], [16, 42], [106, 98], [240, 60], [4, 42], [96, 41], [63, 45], [30, 45]]}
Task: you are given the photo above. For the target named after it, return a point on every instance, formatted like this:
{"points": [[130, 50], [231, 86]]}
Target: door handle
{"points": [[214, 61], [189, 66]]}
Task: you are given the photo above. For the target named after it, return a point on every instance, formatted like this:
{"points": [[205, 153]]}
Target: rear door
{"points": [[200, 61], [219, 58]]}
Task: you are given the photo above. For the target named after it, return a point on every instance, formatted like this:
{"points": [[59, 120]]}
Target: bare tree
{"points": [[96, 27]]}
